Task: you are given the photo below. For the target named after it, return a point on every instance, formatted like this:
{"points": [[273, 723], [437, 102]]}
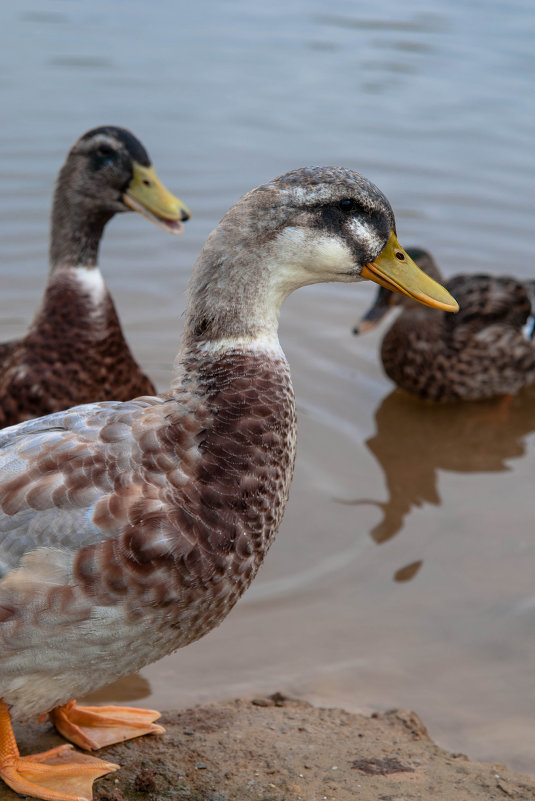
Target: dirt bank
{"points": [[277, 749]]}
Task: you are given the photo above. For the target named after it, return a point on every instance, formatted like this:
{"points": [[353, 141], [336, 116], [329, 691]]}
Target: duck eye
{"points": [[346, 204], [104, 156], [105, 151]]}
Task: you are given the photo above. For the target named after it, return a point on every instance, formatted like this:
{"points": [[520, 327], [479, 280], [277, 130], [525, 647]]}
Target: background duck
{"points": [[131, 529], [477, 353], [75, 351]]}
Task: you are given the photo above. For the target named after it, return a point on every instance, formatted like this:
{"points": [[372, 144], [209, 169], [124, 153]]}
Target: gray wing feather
{"points": [[53, 471]]}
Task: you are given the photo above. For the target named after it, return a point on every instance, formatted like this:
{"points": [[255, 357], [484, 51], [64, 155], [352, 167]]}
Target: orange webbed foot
{"points": [[61, 774], [93, 727]]}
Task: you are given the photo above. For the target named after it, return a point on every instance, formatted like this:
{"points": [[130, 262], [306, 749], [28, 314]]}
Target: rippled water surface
{"points": [[404, 571]]}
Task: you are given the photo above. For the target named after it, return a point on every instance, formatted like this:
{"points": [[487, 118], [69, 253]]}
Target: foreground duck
{"points": [[480, 352], [131, 529], [75, 351]]}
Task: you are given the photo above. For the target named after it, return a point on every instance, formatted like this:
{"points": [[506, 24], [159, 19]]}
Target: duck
{"points": [[130, 529], [75, 351], [483, 351]]}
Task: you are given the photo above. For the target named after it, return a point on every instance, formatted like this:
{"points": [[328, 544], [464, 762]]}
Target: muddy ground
{"points": [[278, 749]]}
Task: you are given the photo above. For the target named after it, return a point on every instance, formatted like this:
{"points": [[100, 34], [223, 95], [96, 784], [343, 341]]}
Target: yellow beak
{"points": [[395, 270], [147, 195]]}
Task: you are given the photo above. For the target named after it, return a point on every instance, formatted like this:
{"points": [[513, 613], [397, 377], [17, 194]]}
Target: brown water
{"points": [[404, 571]]}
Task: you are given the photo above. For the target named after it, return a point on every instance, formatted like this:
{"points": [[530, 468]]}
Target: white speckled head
{"points": [[308, 226]]}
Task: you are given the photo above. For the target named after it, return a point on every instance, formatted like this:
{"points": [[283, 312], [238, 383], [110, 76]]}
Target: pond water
{"points": [[403, 573]]}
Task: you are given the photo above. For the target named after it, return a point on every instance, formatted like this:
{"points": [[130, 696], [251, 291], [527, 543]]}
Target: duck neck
{"points": [[235, 295], [77, 300], [76, 228], [233, 314]]}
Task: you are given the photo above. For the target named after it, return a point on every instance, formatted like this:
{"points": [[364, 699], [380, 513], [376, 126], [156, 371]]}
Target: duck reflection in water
{"points": [[415, 439]]}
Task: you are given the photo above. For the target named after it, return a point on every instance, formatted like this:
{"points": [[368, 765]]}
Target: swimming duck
{"points": [[75, 351], [477, 353], [131, 529]]}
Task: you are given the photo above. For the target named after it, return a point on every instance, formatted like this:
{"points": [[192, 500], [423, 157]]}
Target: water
{"points": [[403, 571]]}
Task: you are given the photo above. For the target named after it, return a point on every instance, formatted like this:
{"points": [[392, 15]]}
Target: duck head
{"points": [[308, 226], [108, 171]]}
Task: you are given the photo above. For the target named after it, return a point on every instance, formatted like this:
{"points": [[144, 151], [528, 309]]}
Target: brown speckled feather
{"points": [[72, 354], [489, 300], [229, 457]]}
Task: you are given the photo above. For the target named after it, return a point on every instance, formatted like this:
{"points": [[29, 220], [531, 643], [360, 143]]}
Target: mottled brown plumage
{"points": [[477, 353], [130, 529], [186, 493], [75, 351]]}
